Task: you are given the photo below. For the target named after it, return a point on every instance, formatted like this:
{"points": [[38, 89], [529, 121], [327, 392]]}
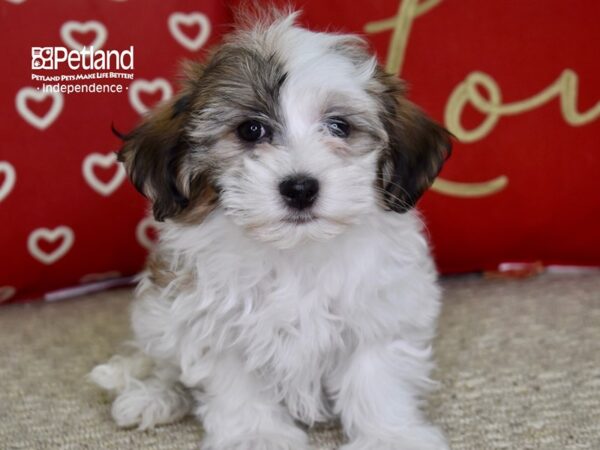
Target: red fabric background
{"points": [[50, 190], [549, 211]]}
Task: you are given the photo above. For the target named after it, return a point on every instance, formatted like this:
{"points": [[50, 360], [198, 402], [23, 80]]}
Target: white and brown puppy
{"points": [[292, 282]]}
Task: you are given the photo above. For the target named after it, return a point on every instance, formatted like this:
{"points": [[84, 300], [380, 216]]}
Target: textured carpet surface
{"points": [[518, 363]]}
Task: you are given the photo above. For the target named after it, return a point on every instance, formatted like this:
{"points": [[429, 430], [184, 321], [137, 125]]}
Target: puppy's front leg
{"points": [[378, 399], [239, 412]]}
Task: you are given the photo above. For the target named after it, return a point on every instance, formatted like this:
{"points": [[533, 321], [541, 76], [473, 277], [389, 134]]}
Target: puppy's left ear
{"points": [[417, 148]]}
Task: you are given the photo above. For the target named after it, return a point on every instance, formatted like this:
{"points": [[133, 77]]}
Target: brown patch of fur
{"points": [[161, 274], [417, 149], [201, 205], [158, 270], [153, 154]]}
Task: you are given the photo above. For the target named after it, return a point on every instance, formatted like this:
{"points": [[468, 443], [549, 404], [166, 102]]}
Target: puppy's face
{"points": [[296, 135]]}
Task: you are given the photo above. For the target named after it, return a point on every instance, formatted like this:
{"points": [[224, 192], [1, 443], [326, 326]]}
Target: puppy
{"points": [[292, 282]]}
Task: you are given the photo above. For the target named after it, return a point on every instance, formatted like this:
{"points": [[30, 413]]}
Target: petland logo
{"points": [[53, 58]]}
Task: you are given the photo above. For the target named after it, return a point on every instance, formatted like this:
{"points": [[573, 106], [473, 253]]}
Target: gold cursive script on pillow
{"points": [[565, 87]]}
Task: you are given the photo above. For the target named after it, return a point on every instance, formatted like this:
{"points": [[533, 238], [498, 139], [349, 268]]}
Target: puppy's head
{"points": [[296, 135]]}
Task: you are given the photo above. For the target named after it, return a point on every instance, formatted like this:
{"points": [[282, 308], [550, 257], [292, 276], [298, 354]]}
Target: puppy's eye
{"points": [[338, 127], [252, 131]]}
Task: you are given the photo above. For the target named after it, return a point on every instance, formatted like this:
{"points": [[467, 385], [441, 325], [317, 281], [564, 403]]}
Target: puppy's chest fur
{"points": [[293, 338], [291, 317], [284, 321]]}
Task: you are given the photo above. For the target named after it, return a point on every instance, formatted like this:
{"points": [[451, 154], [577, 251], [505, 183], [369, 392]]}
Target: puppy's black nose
{"points": [[299, 191]]}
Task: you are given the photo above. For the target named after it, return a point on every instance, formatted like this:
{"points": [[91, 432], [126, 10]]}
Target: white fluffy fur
{"points": [[283, 321]]}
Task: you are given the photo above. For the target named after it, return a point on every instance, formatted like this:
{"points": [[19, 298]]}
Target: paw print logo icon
{"points": [[41, 58]]}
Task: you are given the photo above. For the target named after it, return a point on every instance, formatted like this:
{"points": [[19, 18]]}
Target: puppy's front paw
{"points": [[150, 403], [259, 443], [415, 438]]}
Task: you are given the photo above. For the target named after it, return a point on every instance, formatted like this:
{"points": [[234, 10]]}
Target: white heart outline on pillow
{"points": [[10, 178], [140, 232], [67, 28], [50, 235], [105, 161], [178, 18], [41, 123], [6, 293], [149, 86]]}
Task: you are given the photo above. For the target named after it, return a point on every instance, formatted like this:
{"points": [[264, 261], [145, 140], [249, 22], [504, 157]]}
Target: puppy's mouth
{"points": [[300, 219]]}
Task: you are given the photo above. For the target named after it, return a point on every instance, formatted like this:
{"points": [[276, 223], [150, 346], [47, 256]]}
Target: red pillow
{"points": [[517, 82]]}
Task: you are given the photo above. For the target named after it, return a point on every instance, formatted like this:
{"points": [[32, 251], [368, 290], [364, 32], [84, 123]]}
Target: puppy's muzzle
{"points": [[299, 191]]}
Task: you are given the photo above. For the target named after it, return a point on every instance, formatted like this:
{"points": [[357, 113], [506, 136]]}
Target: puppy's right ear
{"points": [[155, 155]]}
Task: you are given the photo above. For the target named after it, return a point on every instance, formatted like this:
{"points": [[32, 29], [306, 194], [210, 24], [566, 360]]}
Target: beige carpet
{"points": [[519, 365]]}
